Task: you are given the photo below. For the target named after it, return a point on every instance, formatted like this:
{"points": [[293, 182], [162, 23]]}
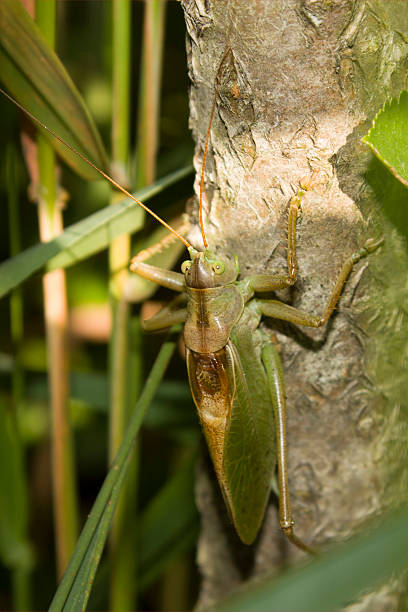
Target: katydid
{"points": [[233, 366], [235, 372]]}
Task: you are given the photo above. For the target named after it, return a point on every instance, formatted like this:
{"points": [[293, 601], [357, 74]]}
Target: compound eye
{"points": [[185, 266], [218, 267]]}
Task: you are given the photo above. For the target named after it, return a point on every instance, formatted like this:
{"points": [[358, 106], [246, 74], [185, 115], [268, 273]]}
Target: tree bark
{"points": [[299, 87]]}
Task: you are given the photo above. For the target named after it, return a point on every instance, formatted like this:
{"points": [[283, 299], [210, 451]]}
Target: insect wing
{"points": [[249, 448]]}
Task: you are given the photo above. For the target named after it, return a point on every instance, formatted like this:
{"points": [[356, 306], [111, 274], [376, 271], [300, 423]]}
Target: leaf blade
{"points": [[333, 580], [388, 136], [37, 79]]}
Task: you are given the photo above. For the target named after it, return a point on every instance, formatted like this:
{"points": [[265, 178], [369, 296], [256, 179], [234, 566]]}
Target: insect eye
{"points": [[185, 266], [218, 267]]}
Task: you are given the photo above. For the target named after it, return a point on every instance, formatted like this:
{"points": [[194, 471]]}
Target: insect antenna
{"points": [[101, 172], [207, 140]]}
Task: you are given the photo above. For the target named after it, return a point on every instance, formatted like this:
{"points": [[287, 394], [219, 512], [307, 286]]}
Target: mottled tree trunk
{"points": [[298, 90]]}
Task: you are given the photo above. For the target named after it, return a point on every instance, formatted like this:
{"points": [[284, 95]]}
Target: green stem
{"points": [[121, 20], [56, 321], [122, 539], [113, 475], [123, 542], [119, 253], [150, 87]]}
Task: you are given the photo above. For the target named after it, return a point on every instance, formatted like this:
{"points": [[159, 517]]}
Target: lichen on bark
{"points": [[301, 84]]}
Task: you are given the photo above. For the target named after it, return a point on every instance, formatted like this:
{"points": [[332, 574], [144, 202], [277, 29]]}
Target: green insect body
{"points": [[222, 343], [235, 372]]}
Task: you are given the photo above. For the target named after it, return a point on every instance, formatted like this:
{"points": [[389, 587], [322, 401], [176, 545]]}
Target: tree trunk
{"points": [[298, 89]]}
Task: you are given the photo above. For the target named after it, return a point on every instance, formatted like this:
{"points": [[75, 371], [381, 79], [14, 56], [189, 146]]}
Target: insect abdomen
{"points": [[211, 392]]}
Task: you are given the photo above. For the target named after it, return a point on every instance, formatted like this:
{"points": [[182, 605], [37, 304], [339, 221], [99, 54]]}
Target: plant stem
{"points": [[122, 538], [56, 317], [124, 529], [150, 87]]}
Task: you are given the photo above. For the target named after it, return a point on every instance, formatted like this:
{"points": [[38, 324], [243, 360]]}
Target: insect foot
{"points": [[288, 531], [371, 245]]}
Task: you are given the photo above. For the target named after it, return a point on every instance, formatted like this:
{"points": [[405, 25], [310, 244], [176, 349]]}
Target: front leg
{"points": [[274, 282], [165, 278]]}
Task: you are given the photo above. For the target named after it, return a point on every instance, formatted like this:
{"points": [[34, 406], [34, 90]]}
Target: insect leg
{"points": [[171, 314], [166, 278], [274, 282], [279, 310], [273, 367]]}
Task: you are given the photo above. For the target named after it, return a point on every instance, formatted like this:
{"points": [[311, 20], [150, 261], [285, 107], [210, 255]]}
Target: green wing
{"points": [[249, 449]]}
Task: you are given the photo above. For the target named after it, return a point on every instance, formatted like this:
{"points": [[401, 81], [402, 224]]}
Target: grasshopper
{"points": [[233, 365]]}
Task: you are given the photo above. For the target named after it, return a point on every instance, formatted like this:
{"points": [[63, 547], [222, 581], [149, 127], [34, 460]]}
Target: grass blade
{"points": [[34, 75], [333, 580], [79, 594], [70, 583]]}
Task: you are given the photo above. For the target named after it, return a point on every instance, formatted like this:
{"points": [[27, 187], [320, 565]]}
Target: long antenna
{"points": [[207, 140], [101, 172]]}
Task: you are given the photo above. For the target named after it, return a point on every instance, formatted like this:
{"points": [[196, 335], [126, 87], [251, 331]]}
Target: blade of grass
{"points": [[68, 582], [147, 146], [34, 75], [84, 238], [78, 597], [124, 550], [335, 579]]}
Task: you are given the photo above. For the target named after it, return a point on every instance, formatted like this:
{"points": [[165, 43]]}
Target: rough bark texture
{"points": [[298, 90]]}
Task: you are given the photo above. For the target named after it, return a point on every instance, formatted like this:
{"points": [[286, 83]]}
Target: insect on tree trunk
{"points": [[300, 85]]}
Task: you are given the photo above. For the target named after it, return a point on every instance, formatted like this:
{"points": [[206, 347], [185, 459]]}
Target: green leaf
{"points": [[390, 193], [388, 138], [81, 588], [84, 238], [36, 78], [333, 580]]}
